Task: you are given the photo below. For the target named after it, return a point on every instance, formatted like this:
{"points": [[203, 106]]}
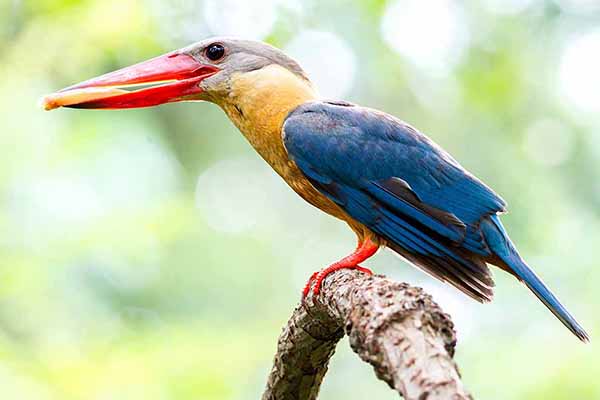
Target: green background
{"points": [[150, 254]]}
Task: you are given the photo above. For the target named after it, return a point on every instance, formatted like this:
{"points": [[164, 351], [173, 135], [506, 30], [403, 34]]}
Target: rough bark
{"points": [[396, 328]]}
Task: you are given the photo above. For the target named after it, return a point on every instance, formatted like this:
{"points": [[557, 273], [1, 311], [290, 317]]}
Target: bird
{"points": [[392, 185]]}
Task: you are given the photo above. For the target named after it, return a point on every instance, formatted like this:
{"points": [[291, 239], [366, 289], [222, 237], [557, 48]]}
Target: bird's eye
{"points": [[215, 52]]}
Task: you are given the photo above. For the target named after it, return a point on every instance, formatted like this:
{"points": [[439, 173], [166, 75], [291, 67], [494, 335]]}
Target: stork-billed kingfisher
{"points": [[390, 183]]}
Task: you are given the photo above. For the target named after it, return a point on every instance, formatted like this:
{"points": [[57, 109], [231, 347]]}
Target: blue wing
{"points": [[408, 190], [401, 185]]}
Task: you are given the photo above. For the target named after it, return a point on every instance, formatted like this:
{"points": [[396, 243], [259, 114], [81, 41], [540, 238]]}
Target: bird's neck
{"points": [[258, 103]]}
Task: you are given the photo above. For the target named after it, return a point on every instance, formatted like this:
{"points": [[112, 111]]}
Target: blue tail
{"points": [[499, 242]]}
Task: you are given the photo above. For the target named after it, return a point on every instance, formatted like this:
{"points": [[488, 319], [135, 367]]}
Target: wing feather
{"points": [[401, 185]]}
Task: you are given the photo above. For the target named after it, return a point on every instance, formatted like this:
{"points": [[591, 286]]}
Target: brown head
{"points": [[256, 84]]}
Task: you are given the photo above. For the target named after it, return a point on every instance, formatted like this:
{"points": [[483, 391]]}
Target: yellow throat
{"points": [[258, 103]]}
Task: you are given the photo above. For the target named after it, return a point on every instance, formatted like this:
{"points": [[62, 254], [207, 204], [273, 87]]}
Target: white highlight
{"points": [[232, 195], [579, 72], [247, 19], [579, 6], [432, 34], [191, 20], [327, 59], [508, 7]]}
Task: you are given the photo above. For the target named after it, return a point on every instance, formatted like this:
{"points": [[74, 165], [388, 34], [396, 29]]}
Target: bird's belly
{"points": [[307, 191], [302, 186]]}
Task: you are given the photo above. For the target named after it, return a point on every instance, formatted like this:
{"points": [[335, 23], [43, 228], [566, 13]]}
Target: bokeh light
{"points": [[231, 195], [509, 6], [188, 21], [578, 71], [548, 142], [247, 19], [327, 59], [584, 7], [433, 35]]}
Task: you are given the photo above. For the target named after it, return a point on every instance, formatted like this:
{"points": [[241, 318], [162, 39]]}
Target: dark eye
{"points": [[215, 52]]}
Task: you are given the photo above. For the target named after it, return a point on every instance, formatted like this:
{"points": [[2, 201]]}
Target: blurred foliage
{"points": [[149, 254]]}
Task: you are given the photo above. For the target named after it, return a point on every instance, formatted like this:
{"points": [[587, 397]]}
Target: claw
{"points": [[307, 286], [365, 250], [323, 274]]}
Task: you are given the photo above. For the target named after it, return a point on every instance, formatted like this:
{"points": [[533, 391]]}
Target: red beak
{"points": [[173, 76]]}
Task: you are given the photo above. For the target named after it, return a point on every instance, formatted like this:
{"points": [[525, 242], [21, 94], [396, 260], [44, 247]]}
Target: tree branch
{"points": [[396, 328]]}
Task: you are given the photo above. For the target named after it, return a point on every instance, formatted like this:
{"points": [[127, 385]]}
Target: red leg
{"points": [[364, 250]]}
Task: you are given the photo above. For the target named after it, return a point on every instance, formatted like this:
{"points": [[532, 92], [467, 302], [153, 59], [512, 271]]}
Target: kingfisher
{"points": [[390, 183]]}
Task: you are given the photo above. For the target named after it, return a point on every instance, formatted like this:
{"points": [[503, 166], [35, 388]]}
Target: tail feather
{"points": [[501, 245]]}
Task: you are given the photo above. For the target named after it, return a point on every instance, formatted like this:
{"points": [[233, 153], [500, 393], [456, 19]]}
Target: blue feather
{"points": [[502, 246], [406, 189]]}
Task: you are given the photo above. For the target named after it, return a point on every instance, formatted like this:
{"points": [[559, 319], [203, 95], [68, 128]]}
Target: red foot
{"points": [[308, 283], [364, 250]]}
